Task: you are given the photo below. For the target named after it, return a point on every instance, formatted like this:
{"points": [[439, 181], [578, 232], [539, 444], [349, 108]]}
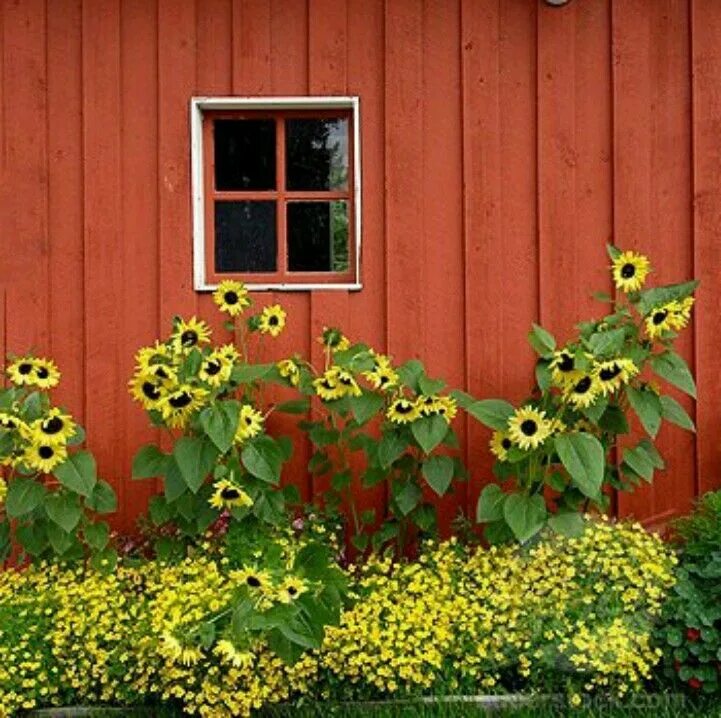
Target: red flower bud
{"points": [[695, 683], [693, 634]]}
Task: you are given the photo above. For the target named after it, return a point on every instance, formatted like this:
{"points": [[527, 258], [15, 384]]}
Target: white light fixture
{"points": [[557, 3]]}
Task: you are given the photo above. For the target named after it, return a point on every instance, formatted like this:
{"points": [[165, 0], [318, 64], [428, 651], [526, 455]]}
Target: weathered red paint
{"points": [[504, 142]]}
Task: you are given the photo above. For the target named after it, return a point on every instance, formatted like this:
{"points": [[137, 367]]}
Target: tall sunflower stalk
{"points": [[557, 452]]}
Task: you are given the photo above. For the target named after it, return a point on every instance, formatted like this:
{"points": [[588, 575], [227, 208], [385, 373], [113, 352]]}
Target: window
{"points": [[276, 192]]}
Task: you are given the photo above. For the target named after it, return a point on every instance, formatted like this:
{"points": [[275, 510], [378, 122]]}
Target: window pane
{"points": [[244, 154], [245, 237], [317, 154], [318, 236]]}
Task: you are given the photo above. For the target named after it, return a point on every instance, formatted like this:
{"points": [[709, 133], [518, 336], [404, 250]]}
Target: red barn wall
{"points": [[504, 143]]}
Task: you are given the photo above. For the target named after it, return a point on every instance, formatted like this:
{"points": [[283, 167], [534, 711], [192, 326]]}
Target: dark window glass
{"points": [[316, 154], [244, 154], [318, 236], [245, 237]]}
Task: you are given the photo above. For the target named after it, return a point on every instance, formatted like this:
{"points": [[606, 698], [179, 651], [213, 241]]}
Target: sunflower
{"points": [[3, 491], [44, 456], [252, 578], [558, 426], [170, 647], [272, 320], [334, 339], [10, 422], [178, 405], [563, 368], [56, 427], [403, 411], [47, 374], [147, 391], [291, 588], [229, 352], [231, 297], [227, 496], [585, 426], [433, 405], [500, 444], [162, 373], [327, 386], [250, 423], [528, 427], [630, 271], [146, 357], [348, 383], [34, 371], [215, 369], [612, 374], [289, 370], [187, 335], [673, 316], [231, 655], [584, 392]]}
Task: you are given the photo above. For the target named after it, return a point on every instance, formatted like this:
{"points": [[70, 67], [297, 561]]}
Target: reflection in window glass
{"points": [[318, 236], [244, 154], [245, 237], [317, 154]]}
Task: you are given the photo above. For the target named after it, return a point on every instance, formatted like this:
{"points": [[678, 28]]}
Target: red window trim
{"points": [[281, 196]]}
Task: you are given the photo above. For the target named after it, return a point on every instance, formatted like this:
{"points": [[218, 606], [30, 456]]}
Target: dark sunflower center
{"points": [[248, 421], [292, 590], [659, 317], [383, 380], [25, 368], [53, 425], [212, 368], [189, 338], [180, 401], [404, 408], [428, 401], [326, 384], [609, 373], [253, 581], [566, 363], [229, 494], [583, 386], [230, 298], [151, 391], [628, 270], [273, 321], [161, 373], [345, 380], [529, 427], [42, 372], [46, 452], [506, 443]]}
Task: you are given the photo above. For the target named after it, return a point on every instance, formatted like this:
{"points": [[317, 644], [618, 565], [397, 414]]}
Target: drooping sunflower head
{"points": [[528, 428], [233, 656], [289, 370], [334, 339], [44, 456], [189, 334], [9, 422], [291, 588], [327, 386], [159, 353], [614, 373], [673, 316], [403, 411], [250, 423], [563, 367], [435, 405], [147, 390], [584, 392], [226, 495], [55, 427], [630, 271], [215, 369], [347, 383], [500, 444], [33, 371], [382, 377], [177, 406], [272, 320], [231, 297]]}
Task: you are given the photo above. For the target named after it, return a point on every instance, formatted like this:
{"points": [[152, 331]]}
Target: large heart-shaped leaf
{"points": [[583, 457], [526, 515], [438, 472], [78, 473], [195, 458]]}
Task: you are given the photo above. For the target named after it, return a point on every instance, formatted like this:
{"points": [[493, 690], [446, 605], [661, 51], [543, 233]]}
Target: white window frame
{"points": [[199, 105]]}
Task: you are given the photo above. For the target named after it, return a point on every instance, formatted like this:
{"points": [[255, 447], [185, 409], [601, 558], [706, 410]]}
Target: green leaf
{"points": [[525, 515], [639, 462], [174, 483], [429, 431], [430, 386], [160, 511], [410, 372], [543, 374], [102, 499], [672, 411], [490, 504], [652, 453], [248, 373], [195, 458], [149, 462], [23, 496], [105, 560], [567, 523], [438, 472], [407, 495], [651, 298], [365, 406], [583, 457], [313, 561], [63, 509], [391, 447], [425, 517], [614, 420], [60, 539], [608, 342], [220, 422], [373, 476], [296, 406], [263, 459], [341, 480], [613, 252], [647, 406], [97, 535], [78, 473], [494, 413], [542, 341], [33, 538], [671, 367]]}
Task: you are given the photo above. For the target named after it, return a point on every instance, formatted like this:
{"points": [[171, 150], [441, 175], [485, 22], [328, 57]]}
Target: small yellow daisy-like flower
{"points": [[563, 368], [170, 647], [444, 406], [227, 496], [3, 490], [230, 654], [189, 334], [327, 386], [403, 411], [528, 427], [291, 588], [584, 392], [250, 423], [630, 271], [44, 456], [177, 406], [612, 374], [147, 391], [215, 369], [272, 320], [289, 370], [254, 579], [189, 656], [500, 443], [55, 427], [231, 297]]}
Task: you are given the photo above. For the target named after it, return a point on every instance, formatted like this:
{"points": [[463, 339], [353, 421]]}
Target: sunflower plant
{"points": [[219, 459], [560, 450], [50, 494], [374, 422]]}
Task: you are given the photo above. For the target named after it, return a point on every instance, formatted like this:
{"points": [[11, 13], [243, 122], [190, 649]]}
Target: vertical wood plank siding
{"points": [[504, 143]]}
